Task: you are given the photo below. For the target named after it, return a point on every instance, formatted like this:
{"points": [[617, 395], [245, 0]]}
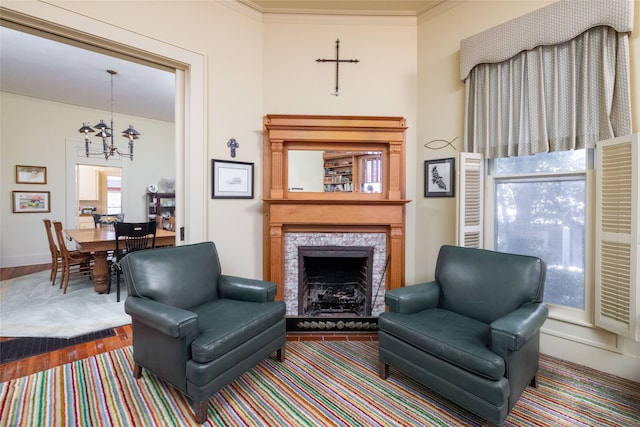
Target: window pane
{"points": [[114, 194], [558, 161], [545, 217]]}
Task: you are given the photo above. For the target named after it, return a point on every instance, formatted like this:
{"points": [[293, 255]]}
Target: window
{"points": [[539, 208], [114, 194]]}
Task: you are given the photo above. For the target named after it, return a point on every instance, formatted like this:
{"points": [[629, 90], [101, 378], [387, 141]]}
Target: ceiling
{"points": [[42, 68], [345, 7]]}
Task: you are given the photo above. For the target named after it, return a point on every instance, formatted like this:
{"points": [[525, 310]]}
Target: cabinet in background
{"points": [[86, 221], [87, 184], [161, 206]]}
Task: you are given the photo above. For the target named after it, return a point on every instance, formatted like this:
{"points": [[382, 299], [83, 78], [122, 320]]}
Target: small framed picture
{"points": [[231, 180], [439, 177], [31, 201], [31, 174]]}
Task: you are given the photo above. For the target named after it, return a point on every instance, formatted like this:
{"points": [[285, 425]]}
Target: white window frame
{"points": [[470, 185], [558, 312]]}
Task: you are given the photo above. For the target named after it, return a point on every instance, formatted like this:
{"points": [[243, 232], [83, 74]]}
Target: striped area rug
{"points": [[320, 384]]}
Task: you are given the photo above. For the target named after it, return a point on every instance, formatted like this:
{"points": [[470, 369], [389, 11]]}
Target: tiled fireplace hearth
{"points": [[337, 220]]}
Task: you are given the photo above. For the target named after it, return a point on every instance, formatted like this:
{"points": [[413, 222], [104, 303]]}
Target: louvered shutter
{"points": [[617, 222], [470, 200]]}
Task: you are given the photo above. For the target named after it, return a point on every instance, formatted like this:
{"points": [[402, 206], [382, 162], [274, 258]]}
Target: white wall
{"points": [[35, 132]]}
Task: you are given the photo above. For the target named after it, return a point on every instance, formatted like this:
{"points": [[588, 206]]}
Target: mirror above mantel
{"points": [[334, 157], [315, 171]]}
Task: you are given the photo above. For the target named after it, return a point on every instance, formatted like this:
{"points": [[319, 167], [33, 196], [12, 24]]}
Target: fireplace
{"points": [[354, 218], [333, 248], [334, 281]]}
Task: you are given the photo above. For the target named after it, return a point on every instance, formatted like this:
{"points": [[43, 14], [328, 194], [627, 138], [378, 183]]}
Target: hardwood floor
{"points": [[41, 362]]}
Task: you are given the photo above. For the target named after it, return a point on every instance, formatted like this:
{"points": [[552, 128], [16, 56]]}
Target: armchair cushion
{"points": [[472, 280], [199, 266], [449, 336], [229, 323]]}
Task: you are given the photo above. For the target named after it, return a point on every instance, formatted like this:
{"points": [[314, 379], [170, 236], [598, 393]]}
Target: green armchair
{"points": [[194, 327], [472, 335]]}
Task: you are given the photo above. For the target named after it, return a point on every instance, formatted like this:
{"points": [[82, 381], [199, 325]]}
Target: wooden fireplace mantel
{"points": [[291, 211]]}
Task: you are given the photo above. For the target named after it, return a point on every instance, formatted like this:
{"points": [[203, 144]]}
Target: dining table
{"points": [[99, 241]]}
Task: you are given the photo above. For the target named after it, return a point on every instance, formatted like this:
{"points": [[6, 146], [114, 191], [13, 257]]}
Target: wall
{"points": [[43, 143], [441, 116], [383, 83]]}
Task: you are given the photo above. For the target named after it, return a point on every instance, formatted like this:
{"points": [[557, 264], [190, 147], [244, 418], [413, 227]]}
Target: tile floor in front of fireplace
{"points": [[322, 336]]}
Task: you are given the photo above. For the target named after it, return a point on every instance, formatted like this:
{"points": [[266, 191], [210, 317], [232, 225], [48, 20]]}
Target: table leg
{"points": [[100, 271]]}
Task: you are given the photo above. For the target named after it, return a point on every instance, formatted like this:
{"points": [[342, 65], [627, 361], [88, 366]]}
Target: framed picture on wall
{"points": [[231, 180], [31, 201], [439, 177], [31, 174]]}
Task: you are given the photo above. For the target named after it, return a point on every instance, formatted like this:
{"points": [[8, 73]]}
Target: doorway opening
{"points": [[98, 190]]}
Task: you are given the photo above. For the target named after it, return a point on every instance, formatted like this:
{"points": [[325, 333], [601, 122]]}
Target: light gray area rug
{"points": [[31, 307]]}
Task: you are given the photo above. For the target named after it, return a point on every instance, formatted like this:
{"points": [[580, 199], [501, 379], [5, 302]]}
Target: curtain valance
{"points": [[553, 24]]}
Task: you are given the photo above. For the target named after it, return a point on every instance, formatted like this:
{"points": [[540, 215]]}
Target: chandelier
{"points": [[106, 134]]}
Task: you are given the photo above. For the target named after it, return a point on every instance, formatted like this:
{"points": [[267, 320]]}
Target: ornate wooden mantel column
{"points": [[355, 211]]}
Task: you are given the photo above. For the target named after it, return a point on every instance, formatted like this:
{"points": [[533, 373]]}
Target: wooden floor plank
{"points": [[123, 337], [41, 362]]}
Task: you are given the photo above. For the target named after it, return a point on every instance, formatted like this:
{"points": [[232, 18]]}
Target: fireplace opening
{"points": [[335, 281]]}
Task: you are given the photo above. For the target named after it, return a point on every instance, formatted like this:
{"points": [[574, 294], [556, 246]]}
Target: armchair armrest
{"points": [[242, 289], [169, 320], [513, 331], [414, 298]]}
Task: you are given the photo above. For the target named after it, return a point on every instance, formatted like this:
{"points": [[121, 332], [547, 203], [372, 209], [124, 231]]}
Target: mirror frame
{"points": [[336, 133]]}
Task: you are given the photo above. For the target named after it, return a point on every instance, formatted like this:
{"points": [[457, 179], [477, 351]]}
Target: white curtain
{"points": [[550, 98]]}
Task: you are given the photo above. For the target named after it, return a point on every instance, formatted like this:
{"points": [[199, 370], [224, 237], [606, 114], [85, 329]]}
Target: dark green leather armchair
{"points": [[193, 326], [472, 334]]}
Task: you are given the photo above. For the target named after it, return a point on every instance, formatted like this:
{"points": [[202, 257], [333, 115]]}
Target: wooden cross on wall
{"points": [[337, 61]]}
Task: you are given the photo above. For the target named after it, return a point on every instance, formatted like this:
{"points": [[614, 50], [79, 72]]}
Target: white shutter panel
{"points": [[470, 200], [617, 239]]}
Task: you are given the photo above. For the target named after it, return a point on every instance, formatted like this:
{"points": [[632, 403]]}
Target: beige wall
{"points": [[383, 83], [36, 132], [441, 116]]}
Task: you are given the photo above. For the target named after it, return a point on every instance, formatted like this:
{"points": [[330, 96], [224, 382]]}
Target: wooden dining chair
{"points": [[131, 237], [56, 258], [80, 262]]}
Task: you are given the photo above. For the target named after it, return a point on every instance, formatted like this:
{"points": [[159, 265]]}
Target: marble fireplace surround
{"points": [[359, 216], [291, 262]]}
